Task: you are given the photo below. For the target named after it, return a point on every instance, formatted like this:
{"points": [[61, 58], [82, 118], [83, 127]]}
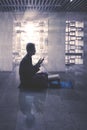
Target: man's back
{"points": [[25, 69]]}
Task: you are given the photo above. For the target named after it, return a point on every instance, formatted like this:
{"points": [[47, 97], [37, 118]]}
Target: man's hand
{"points": [[40, 61]]}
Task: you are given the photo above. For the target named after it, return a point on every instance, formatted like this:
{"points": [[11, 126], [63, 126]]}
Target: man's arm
{"points": [[37, 66]]}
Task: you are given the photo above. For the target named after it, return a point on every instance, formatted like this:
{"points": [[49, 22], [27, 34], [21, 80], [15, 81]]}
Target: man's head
{"points": [[30, 48]]}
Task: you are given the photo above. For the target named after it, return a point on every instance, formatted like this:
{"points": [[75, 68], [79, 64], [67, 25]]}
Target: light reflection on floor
{"points": [[31, 109]]}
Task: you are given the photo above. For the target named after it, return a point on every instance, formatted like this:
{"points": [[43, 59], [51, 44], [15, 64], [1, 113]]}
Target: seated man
{"points": [[28, 72]]}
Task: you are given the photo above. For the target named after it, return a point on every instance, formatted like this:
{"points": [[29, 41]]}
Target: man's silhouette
{"points": [[29, 77]]}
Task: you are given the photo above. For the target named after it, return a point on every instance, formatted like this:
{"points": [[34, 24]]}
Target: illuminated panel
{"points": [[74, 42], [35, 32]]}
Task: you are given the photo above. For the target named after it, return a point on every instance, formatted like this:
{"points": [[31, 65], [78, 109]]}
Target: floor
{"points": [[51, 109]]}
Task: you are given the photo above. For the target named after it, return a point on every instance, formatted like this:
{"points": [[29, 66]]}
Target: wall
{"points": [[56, 42], [56, 39], [82, 16], [85, 41], [6, 26]]}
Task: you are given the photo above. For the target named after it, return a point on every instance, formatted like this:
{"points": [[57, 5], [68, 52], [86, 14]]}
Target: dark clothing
{"points": [[28, 74], [27, 70]]}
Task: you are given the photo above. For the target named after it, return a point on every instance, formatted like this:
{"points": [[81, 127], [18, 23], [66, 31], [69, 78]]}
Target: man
{"points": [[28, 73]]}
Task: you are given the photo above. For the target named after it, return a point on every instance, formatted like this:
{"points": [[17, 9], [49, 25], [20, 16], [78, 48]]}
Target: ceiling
{"points": [[43, 5]]}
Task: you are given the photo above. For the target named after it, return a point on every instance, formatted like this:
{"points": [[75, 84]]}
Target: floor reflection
{"points": [[31, 107]]}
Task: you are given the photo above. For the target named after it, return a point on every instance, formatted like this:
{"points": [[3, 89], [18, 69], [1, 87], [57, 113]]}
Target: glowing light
{"points": [[29, 28]]}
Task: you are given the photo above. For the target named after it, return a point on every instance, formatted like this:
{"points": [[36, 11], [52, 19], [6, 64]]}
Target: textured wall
{"points": [[6, 26], [82, 16], [56, 42], [56, 39], [85, 41]]}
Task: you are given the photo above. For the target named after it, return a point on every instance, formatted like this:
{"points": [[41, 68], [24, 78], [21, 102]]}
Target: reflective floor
{"points": [[51, 109]]}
